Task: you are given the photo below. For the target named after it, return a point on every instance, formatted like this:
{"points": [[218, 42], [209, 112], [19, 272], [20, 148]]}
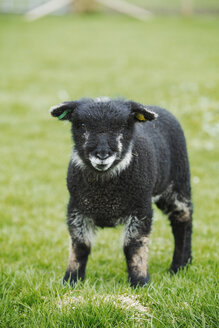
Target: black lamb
{"points": [[125, 156]]}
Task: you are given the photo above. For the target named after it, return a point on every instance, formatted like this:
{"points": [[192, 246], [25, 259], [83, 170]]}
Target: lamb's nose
{"points": [[103, 156]]}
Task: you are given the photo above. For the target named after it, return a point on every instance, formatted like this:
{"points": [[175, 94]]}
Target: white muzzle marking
{"points": [[102, 165]]}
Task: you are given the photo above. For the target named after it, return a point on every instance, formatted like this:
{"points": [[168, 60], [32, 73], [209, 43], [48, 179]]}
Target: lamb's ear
{"points": [[64, 110], [141, 112]]}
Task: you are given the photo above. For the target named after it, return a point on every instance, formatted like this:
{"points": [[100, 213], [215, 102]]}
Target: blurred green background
{"points": [[156, 6], [168, 61]]}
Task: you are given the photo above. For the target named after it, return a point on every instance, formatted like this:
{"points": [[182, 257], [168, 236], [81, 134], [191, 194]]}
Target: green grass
{"points": [[168, 62]]}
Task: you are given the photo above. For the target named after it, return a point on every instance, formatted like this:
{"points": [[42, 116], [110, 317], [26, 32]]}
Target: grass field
{"points": [[169, 62]]}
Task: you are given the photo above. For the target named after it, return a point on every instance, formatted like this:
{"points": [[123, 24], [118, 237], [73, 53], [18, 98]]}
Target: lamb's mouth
{"points": [[102, 165]]}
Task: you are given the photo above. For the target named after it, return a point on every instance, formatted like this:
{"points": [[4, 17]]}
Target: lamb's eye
{"points": [[83, 126]]}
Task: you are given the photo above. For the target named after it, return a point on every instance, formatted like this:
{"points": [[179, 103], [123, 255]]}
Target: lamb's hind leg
{"points": [[80, 229], [180, 218]]}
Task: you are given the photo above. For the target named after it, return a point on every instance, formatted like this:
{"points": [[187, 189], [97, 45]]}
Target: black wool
{"points": [[125, 156]]}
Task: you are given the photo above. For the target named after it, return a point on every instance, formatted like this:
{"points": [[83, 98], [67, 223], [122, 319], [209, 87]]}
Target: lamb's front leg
{"points": [[81, 230], [136, 250]]}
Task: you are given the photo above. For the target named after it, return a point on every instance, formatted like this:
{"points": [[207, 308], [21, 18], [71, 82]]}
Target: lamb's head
{"points": [[102, 130]]}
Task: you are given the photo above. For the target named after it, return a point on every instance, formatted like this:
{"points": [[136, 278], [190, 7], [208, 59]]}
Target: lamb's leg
{"points": [[80, 230], [136, 251], [78, 256], [181, 223]]}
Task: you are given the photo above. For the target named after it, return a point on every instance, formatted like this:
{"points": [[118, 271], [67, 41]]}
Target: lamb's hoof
{"points": [[140, 281], [175, 269], [178, 267], [71, 277]]}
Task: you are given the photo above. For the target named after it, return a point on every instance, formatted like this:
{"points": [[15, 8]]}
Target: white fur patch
{"points": [[182, 206], [131, 229], [139, 259], [121, 166], [124, 163], [86, 137], [150, 111], [83, 227], [55, 107], [118, 139], [102, 99], [156, 198], [76, 160], [166, 193], [97, 161]]}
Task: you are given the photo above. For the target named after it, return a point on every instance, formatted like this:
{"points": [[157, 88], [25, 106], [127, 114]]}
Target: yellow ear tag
{"points": [[140, 117]]}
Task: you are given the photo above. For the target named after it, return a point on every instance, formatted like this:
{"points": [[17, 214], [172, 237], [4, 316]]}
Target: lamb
{"points": [[125, 156]]}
